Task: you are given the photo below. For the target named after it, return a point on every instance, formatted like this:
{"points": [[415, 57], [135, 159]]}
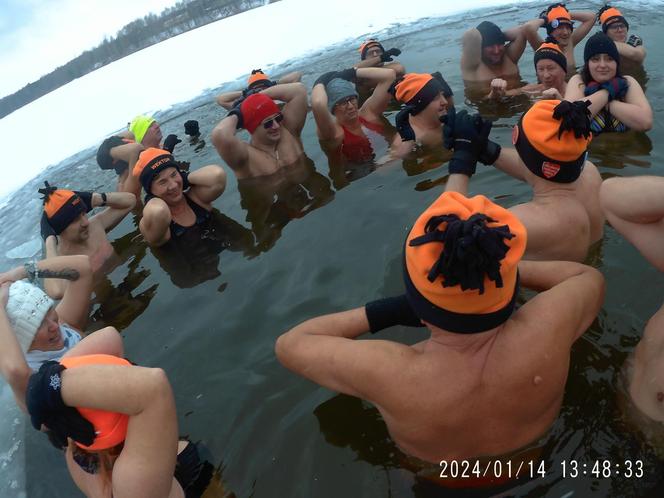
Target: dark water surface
{"points": [[314, 240]]}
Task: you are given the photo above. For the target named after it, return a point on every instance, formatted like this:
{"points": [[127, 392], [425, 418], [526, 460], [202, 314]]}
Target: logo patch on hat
{"points": [[515, 134], [549, 170]]}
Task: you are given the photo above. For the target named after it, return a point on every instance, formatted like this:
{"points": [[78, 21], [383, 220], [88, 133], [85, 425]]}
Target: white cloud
{"points": [[61, 30]]}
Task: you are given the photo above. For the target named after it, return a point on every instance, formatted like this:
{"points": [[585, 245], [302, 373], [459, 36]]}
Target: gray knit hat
{"points": [[338, 89], [26, 308]]}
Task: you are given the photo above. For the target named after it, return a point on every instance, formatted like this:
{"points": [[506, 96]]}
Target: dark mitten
{"points": [[349, 74], [45, 406], [447, 91], [236, 110], [402, 122], [171, 141], [635, 41], [185, 179], [448, 128], [86, 197], [591, 88], [387, 56], [46, 228], [191, 128], [465, 139], [617, 87], [326, 78], [488, 151], [384, 313]]}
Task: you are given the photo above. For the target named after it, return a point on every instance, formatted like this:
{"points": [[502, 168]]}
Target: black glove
{"points": [[86, 197], [236, 110], [447, 91], [185, 179], [349, 74], [171, 141], [488, 150], [45, 406], [191, 128], [46, 228], [635, 41], [384, 313], [387, 55], [326, 78], [402, 122], [460, 131]]}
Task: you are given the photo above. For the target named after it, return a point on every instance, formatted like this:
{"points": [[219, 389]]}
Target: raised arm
{"points": [[627, 51], [530, 31], [232, 150], [130, 153], [587, 20], [471, 51], [293, 77], [295, 110], [574, 287], [509, 162], [226, 99], [325, 122], [54, 287], [119, 204], [635, 111], [374, 107], [516, 45], [207, 183]]}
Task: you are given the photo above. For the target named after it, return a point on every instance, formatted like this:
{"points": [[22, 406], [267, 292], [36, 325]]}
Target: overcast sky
{"points": [[36, 36]]}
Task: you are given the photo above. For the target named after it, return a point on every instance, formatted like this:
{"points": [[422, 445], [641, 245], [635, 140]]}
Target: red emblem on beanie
{"points": [[255, 109], [550, 170]]}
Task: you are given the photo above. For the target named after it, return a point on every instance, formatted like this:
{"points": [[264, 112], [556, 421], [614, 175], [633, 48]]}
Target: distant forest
{"points": [[141, 33]]}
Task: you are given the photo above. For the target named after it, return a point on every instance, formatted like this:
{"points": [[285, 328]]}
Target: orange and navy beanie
{"points": [[364, 48], [608, 15], [150, 162], [110, 427], [549, 49], [61, 206], [255, 109], [257, 78], [416, 90], [460, 263], [552, 139], [556, 15]]}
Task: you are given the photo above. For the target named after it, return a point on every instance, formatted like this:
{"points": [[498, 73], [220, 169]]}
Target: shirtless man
{"points": [[471, 389], [67, 230], [426, 98], [344, 127], [373, 54], [485, 56], [564, 217], [257, 81], [616, 27], [635, 209], [559, 25], [275, 133]]}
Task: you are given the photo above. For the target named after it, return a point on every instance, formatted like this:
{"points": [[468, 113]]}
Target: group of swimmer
{"points": [[457, 395]]}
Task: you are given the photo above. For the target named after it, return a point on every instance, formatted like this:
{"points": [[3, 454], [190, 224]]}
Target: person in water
{"points": [[616, 27], [256, 82], [551, 140], [175, 200], [67, 230], [559, 25], [275, 132], [373, 54], [426, 98], [486, 56], [502, 396], [343, 126], [551, 70], [635, 209], [43, 330], [617, 102]]}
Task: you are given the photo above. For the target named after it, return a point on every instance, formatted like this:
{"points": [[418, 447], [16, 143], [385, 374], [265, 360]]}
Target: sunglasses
{"points": [[270, 122]]}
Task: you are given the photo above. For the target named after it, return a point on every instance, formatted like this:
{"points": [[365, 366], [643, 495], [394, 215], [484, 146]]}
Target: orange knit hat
{"points": [[61, 207], [150, 162], [460, 263], [609, 15], [417, 90], [556, 15], [552, 139], [110, 427], [550, 49], [257, 75], [364, 48]]}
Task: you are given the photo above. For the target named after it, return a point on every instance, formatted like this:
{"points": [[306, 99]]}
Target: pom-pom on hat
{"points": [[609, 15], [110, 427], [139, 126], [417, 90], [26, 308], [549, 49], [255, 109], [61, 206], [552, 139], [460, 263], [150, 162], [364, 48]]}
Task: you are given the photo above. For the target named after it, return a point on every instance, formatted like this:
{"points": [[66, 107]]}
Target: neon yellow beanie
{"points": [[139, 126]]}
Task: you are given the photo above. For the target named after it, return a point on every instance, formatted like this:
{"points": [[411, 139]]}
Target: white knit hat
{"points": [[26, 308]]}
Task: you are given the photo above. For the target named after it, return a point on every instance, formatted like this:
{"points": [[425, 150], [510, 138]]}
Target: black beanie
{"points": [[550, 50], [600, 43], [491, 34]]}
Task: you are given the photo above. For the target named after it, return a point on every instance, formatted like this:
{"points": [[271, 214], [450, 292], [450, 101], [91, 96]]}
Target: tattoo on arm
{"points": [[67, 274]]}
